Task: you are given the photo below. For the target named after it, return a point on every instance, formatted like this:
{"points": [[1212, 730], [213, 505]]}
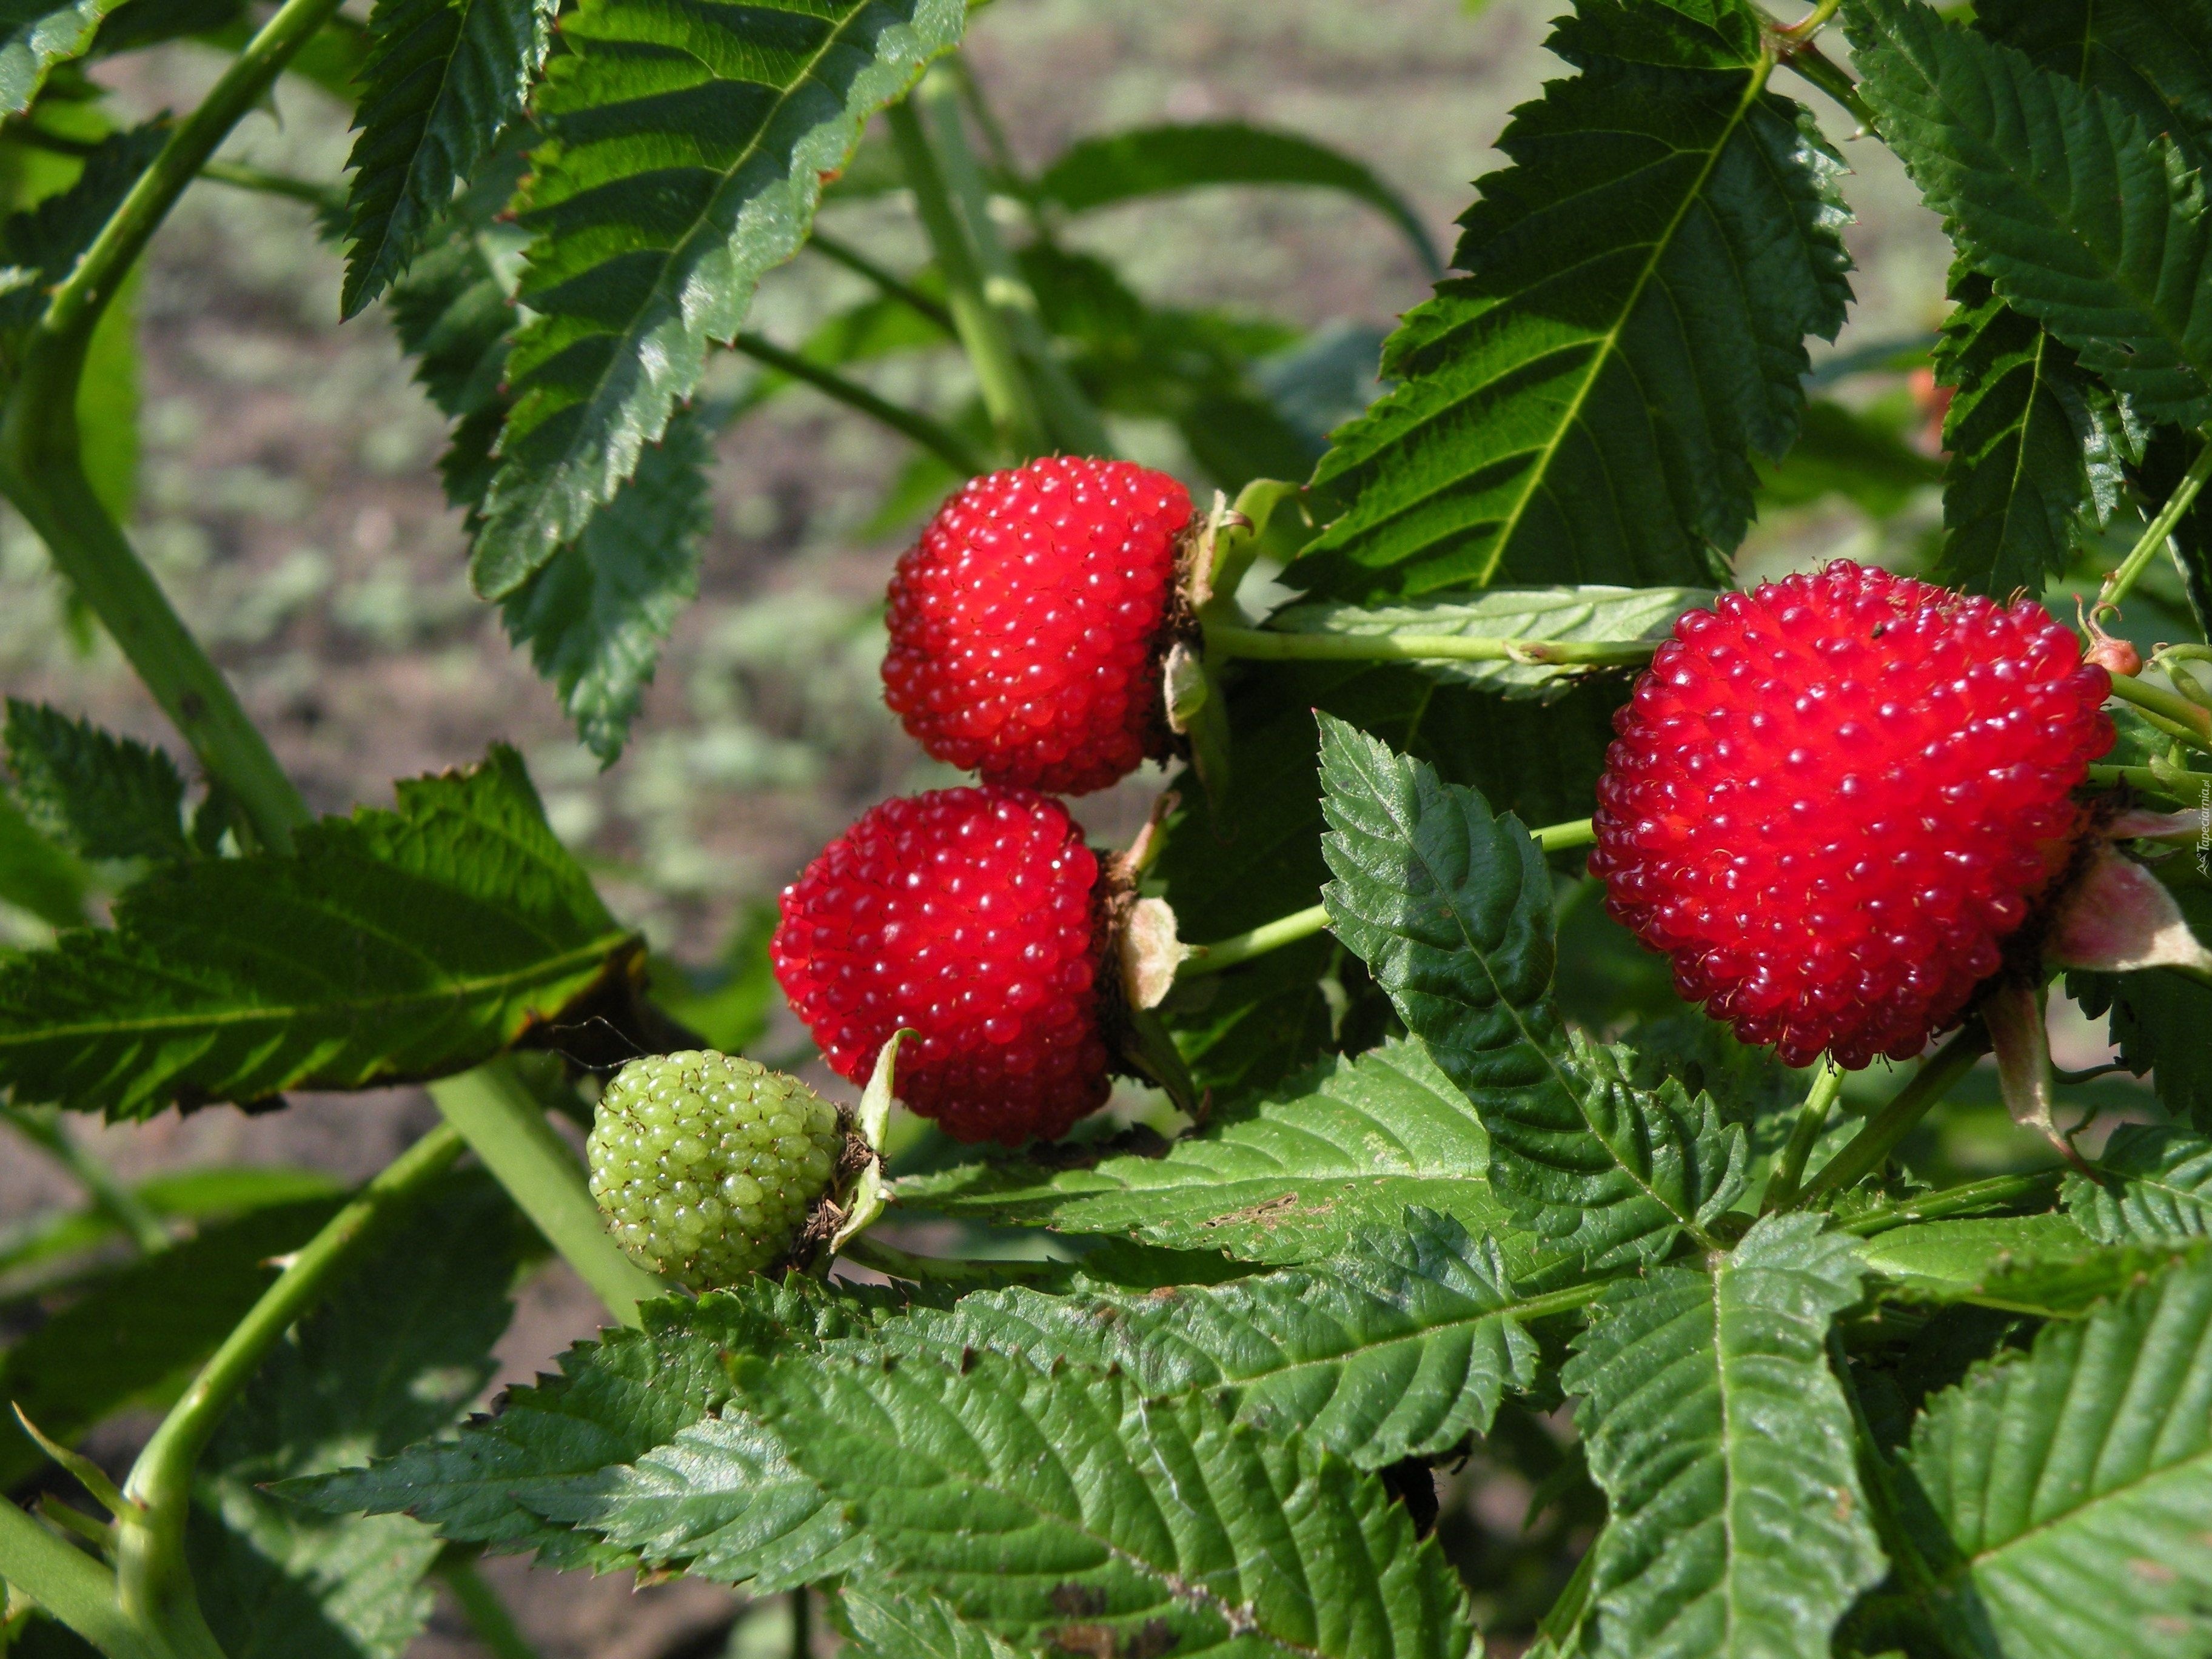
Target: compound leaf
{"points": [[2062, 1496], [1715, 1425], [2155, 1188], [2082, 219], [1068, 1510], [387, 946], [443, 78], [1450, 906], [101, 796], [686, 149], [1585, 405]]}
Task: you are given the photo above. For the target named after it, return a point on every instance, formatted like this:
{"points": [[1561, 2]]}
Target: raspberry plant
{"points": [[1440, 1163]]}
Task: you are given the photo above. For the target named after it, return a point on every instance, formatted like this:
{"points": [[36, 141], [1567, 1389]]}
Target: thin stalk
{"points": [[323, 198], [2155, 533], [948, 446], [154, 1586], [1996, 1192], [1894, 1121], [1812, 1118], [895, 1263], [1812, 24], [1069, 415], [802, 1623], [1304, 924], [487, 1614], [493, 1110], [73, 1587], [839, 251], [2144, 778], [1278, 645], [1000, 377], [43, 1130], [2168, 711]]}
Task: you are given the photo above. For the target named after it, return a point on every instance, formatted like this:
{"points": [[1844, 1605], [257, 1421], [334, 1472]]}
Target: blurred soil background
{"points": [[289, 500]]}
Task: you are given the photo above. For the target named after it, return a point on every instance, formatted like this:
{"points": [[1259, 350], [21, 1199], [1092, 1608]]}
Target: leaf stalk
{"points": [[1895, 1120], [1275, 645], [1812, 1118], [2156, 532], [954, 451]]}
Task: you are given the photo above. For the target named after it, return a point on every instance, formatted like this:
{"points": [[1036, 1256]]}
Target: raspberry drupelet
{"points": [[1832, 801], [973, 916], [1028, 624]]}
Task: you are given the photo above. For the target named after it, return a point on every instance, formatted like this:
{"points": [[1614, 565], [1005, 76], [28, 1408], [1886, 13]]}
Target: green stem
{"points": [[1894, 1121], [73, 1587], [2171, 713], [953, 449], [1276, 645], [895, 1263], [2136, 777], [839, 251], [154, 1585], [43, 1128], [324, 198], [2155, 533], [487, 1614], [1000, 378], [493, 1110], [802, 1623], [1812, 1118], [1304, 924], [1997, 1192], [1073, 425]]}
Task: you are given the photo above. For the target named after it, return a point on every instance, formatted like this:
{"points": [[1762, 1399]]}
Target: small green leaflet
{"points": [[2064, 1495], [686, 154], [907, 1627], [443, 78], [2084, 220], [37, 875], [1450, 906], [391, 945], [1712, 1421], [2154, 1188], [97, 795], [1584, 405], [1068, 1511], [1513, 613], [34, 38]]}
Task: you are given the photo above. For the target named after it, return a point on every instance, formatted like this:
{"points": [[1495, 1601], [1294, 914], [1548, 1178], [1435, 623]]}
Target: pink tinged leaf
{"points": [[2014, 1012], [2120, 918], [2139, 825]]}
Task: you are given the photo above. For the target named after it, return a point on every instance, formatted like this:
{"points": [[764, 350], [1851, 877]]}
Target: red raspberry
{"points": [[1832, 800], [972, 916], [1028, 624]]}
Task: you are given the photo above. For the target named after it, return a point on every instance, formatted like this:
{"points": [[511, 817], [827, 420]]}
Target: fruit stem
{"points": [[1279, 646], [1895, 1120], [42, 1127], [1304, 924], [895, 1263], [154, 1586], [954, 451], [2144, 778], [70, 1587], [838, 251], [2171, 713], [1819, 1102], [2156, 532], [1990, 1194], [487, 1615]]}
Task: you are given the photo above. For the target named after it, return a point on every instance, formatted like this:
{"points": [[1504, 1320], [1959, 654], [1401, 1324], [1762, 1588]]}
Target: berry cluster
{"points": [[706, 1165], [972, 916], [1832, 801]]}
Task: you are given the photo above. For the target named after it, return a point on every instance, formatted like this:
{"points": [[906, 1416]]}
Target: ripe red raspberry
{"points": [[1029, 623], [973, 916], [1832, 800]]}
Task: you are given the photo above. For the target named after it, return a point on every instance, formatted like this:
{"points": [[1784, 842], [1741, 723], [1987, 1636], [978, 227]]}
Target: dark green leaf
{"points": [[443, 78], [2159, 1017], [1714, 1424], [389, 945], [2155, 1186], [1068, 1509], [1450, 906], [37, 875], [1122, 167], [685, 155], [98, 795], [1584, 405], [2152, 56], [41, 246], [2084, 221], [37, 34], [2062, 1497]]}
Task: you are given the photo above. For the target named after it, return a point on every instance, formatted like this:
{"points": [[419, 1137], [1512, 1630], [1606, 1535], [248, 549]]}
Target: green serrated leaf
{"points": [[2154, 56], [2036, 446], [388, 947], [2154, 1187], [1512, 613], [890, 1626], [1450, 906], [686, 150], [1068, 1510], [37, 875], [98, 795], [1122, 167], [2042, 1265], [1714, 1424], [2158, 1018], [2062, 1496], [443, 78], [39, 246], [35, 36], [1583, 407], [2083, 220]]}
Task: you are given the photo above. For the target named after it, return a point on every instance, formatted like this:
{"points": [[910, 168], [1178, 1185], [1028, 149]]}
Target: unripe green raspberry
{"points": [[705, 1165]]}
